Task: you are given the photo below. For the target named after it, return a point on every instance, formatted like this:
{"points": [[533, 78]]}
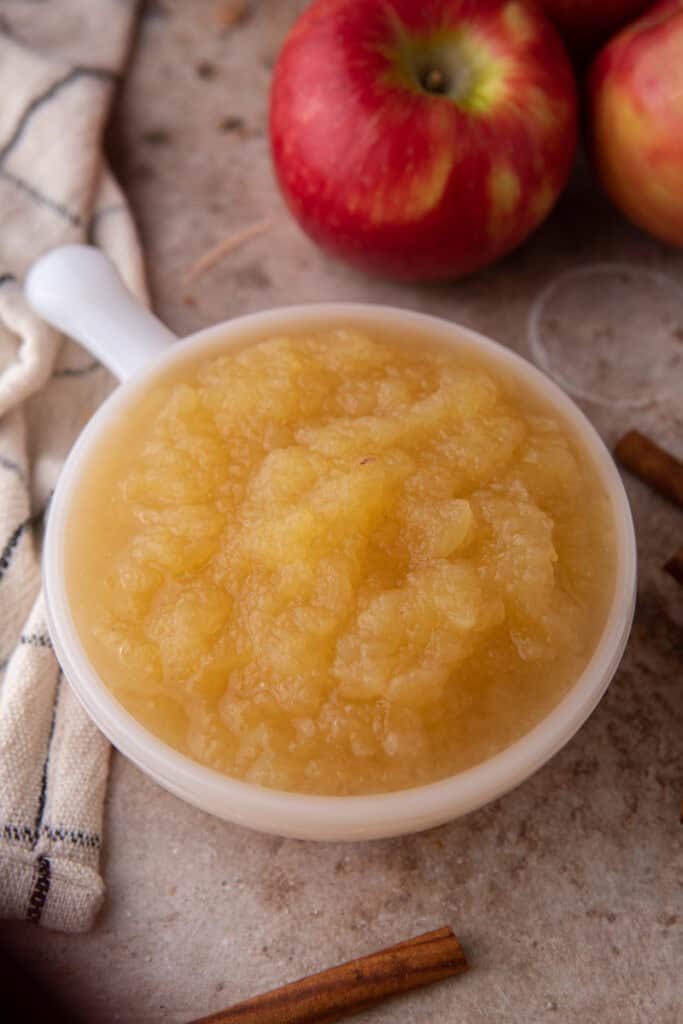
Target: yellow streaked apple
{"points": [[636, 120]]}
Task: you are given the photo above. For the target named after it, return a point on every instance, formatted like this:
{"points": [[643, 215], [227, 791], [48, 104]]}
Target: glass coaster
{"points": [[611, 333]]}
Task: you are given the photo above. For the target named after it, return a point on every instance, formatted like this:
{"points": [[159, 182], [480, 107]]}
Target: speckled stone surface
{"points": [[568, 892]]}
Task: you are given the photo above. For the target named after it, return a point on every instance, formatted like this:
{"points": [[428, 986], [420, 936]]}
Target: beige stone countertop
{"points": [[568, 892]]}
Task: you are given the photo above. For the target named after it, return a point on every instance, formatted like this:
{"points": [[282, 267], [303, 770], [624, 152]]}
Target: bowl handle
{"points": [[78, 290]]}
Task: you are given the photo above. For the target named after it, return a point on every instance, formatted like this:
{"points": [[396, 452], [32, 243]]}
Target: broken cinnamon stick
{"points": [[354, 986], [675, 566], [227, 245], [654, 465]]}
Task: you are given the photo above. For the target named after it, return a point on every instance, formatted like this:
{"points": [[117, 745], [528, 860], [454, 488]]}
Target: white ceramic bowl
{"points": [[76, 289]]}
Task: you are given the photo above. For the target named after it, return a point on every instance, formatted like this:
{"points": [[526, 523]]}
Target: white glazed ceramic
{"points": [[76, 289]]}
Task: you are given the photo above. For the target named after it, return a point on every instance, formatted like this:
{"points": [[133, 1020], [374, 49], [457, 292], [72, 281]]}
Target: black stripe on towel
{"points": [[10, 546], [42, 200], [76, 837], [9, 464], [78, 371], [46, 762], [53, 90], [35, 640], [40, 891]]}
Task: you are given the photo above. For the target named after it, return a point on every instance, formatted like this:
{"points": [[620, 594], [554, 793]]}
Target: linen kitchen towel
{"points": [[59, 65]]}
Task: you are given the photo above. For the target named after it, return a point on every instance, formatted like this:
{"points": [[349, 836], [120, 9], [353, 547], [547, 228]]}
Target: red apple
{"points": [[422, 138], [586, 24], [636, 98]]}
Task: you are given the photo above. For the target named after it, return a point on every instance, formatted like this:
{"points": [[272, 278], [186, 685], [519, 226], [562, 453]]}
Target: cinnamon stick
{"points": [[675, 566], [654, 465], [354, 986]]}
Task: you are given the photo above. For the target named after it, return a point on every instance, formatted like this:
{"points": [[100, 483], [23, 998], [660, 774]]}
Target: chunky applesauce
{"points": [[338, 563]]}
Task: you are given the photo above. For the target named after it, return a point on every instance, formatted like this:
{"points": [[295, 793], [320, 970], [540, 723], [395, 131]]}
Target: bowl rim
{"points": [[339, 817]]}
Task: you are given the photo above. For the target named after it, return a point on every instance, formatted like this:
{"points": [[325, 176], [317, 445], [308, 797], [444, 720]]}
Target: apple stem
{"points": [[434, 80]]}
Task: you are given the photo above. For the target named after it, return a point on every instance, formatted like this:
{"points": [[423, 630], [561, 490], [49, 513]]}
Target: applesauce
{"points": [[339, 562]]}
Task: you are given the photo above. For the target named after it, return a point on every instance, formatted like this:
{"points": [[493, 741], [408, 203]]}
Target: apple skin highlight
{"points": [[412, 183], [636, 101]]}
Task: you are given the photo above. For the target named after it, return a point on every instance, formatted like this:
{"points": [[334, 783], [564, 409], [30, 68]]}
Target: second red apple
{"points": [[636, 119]]}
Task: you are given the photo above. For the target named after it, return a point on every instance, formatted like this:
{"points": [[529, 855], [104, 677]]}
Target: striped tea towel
{"points": [[59, 64]]}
